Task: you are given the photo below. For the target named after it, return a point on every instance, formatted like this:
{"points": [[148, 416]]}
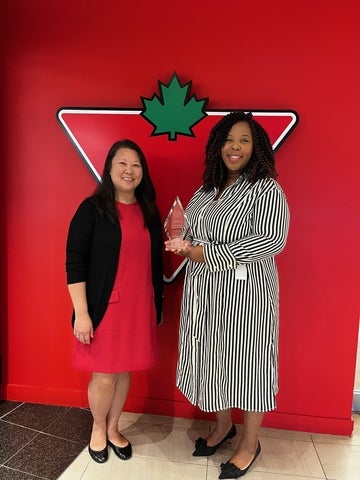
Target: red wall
{"points": [[266, 55]]}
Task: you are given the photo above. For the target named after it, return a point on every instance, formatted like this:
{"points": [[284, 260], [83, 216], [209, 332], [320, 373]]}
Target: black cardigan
{"points": [[92, 255]]}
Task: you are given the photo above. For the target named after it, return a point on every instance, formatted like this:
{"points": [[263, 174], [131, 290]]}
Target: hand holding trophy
{"points": [[176, 228]]}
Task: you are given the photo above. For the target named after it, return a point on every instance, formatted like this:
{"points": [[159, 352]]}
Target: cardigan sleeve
{"points": [[78, 243]]}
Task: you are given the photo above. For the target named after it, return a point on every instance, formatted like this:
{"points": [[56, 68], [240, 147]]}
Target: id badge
{"points": [[241, 272]]}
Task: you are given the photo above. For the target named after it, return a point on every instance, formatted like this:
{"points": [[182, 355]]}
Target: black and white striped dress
{"points": [[228, 342]]}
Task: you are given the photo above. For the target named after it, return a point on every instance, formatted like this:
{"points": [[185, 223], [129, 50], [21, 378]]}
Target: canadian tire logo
{"points": [[172, 128]]}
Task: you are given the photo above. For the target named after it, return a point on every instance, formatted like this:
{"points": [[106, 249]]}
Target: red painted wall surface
{"points": [[265, 55]]}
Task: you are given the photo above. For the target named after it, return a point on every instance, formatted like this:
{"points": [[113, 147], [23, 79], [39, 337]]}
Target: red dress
{"points": [[125, 340]]}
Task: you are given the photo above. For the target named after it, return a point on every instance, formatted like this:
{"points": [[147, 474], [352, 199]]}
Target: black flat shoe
{"points": [[99, 456], [122, 452], [229, 470], [203, 450]]}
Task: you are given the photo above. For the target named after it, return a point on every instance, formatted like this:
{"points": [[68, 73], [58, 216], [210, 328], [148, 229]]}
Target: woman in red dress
{"points": [[115, 281]]}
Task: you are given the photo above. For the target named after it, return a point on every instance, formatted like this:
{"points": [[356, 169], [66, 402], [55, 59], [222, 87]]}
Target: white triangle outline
{"points": [[99, 111]]}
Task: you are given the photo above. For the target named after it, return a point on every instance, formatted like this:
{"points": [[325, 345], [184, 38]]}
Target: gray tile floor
{"points": [[42, 442]]}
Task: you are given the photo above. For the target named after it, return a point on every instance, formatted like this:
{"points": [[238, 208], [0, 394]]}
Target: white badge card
{"points": [[241, 272]]}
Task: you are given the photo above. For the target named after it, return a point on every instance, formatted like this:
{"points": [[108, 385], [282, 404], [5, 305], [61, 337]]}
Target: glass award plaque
{"points": [[176, 225]]}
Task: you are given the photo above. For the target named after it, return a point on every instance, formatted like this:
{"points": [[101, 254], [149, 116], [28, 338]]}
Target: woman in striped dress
{"points": [[229, 315]]}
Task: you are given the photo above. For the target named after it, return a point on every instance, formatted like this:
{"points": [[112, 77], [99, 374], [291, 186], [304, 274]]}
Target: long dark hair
{"points": [[104, 194], [261, 163]]}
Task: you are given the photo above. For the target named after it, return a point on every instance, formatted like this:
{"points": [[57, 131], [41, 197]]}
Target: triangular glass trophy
{"points": [[176, 225]]}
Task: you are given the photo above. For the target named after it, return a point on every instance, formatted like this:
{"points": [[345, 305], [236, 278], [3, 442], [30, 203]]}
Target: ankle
{"points": [[248, 446], [220, 434], [223, 428]]}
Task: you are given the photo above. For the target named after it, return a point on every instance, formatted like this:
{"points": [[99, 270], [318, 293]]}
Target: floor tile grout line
{"points": [[66, 410], [44, 433], [7, 460], [206, 425], [59, 417], [318, 457], [26, 473], [12, 410], [21, 448]]}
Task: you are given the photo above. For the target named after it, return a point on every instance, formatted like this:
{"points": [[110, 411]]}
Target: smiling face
{"points": [[237, 148], [126, 174]]}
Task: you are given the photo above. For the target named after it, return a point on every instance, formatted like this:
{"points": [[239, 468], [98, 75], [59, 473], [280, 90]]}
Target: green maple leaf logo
{"points": [[174, 112]]}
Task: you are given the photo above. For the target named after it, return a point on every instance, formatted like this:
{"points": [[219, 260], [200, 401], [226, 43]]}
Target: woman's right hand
{"points": [[178, 246], [83, 328]]}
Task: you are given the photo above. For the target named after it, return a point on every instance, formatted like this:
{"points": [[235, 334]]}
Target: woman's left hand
{"points": [[185, 249], [178, 246]]}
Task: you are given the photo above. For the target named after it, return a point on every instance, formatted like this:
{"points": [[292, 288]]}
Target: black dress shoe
{"points": [[203, 450], [100, 456], [122, 452], [229, 470]]}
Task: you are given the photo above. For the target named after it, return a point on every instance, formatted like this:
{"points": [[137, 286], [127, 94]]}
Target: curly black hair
{"points": [[261, 163]]}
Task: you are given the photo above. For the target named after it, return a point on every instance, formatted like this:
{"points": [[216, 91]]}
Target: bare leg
{"points": [[120, 394], [100, 394], [222, 427], [248, 442]]}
